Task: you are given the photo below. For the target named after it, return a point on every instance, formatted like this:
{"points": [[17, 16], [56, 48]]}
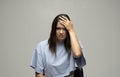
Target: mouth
{"points": [[61, 36]]}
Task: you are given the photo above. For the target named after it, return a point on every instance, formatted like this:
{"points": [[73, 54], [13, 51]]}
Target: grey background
{"points": [[24, 23]]}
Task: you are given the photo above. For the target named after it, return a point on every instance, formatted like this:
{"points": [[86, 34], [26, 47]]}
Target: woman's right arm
{"points": [[38, 75]]}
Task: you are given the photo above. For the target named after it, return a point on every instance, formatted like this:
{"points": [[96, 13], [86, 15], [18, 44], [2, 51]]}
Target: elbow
{"points": [[77, 52], [77, 55]]}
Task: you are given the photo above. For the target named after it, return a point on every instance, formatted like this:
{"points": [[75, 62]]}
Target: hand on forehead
{"points": [[63, 18]]}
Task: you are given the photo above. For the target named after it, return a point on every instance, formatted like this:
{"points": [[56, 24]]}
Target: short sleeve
{"points": [[81, 61], [37, 60]]}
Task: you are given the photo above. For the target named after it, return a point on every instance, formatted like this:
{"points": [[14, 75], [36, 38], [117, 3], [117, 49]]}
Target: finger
{"points": [[62, 22], [65, 18], [62, 18]]}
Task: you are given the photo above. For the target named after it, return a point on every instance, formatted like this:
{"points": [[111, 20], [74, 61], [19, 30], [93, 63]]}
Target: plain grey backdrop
{"points": [[24, 23]]}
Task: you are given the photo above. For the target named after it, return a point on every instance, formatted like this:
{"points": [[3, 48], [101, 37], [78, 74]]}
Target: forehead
{"points": [[60, 25]]}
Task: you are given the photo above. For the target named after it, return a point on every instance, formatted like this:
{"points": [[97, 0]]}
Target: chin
{"points": [[61, 40]]}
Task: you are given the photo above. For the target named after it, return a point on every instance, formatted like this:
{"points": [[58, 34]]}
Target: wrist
{"points": [[71, 30]]}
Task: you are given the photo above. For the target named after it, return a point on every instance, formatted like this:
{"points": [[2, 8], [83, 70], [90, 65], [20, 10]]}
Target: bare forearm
{"points": [[75, 45]]}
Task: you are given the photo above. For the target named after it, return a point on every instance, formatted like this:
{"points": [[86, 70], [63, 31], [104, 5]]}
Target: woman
{"points": [[56, 57]]}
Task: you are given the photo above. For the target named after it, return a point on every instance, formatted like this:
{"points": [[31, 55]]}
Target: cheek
{"points": [[57, 34], [65, 34]]}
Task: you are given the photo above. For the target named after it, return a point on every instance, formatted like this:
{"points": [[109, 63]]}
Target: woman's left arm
{"points": [[75, 45]]}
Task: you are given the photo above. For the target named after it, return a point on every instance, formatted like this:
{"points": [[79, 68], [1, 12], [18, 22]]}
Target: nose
{"points": [[61, 31]]}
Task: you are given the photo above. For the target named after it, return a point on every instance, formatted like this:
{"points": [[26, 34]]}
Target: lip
{"points": [[61, 36]]}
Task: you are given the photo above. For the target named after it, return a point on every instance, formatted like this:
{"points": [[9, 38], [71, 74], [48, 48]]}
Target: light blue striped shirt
{"points": [[43, 61]]}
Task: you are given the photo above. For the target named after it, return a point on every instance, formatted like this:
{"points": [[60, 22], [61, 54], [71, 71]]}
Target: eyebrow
{"points": [[58, 28]]}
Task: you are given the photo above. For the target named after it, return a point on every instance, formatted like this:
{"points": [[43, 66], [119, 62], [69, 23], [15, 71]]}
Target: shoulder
{"points": [[43, 44]]}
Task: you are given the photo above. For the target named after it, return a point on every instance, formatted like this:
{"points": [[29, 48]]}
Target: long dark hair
{"points": [[53, 39]]}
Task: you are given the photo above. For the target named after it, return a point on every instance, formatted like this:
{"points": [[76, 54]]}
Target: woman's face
{"points": [[60, 32]]}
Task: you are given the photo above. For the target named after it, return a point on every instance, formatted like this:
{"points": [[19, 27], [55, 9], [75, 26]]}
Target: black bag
{"points": [[78, 72]]}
